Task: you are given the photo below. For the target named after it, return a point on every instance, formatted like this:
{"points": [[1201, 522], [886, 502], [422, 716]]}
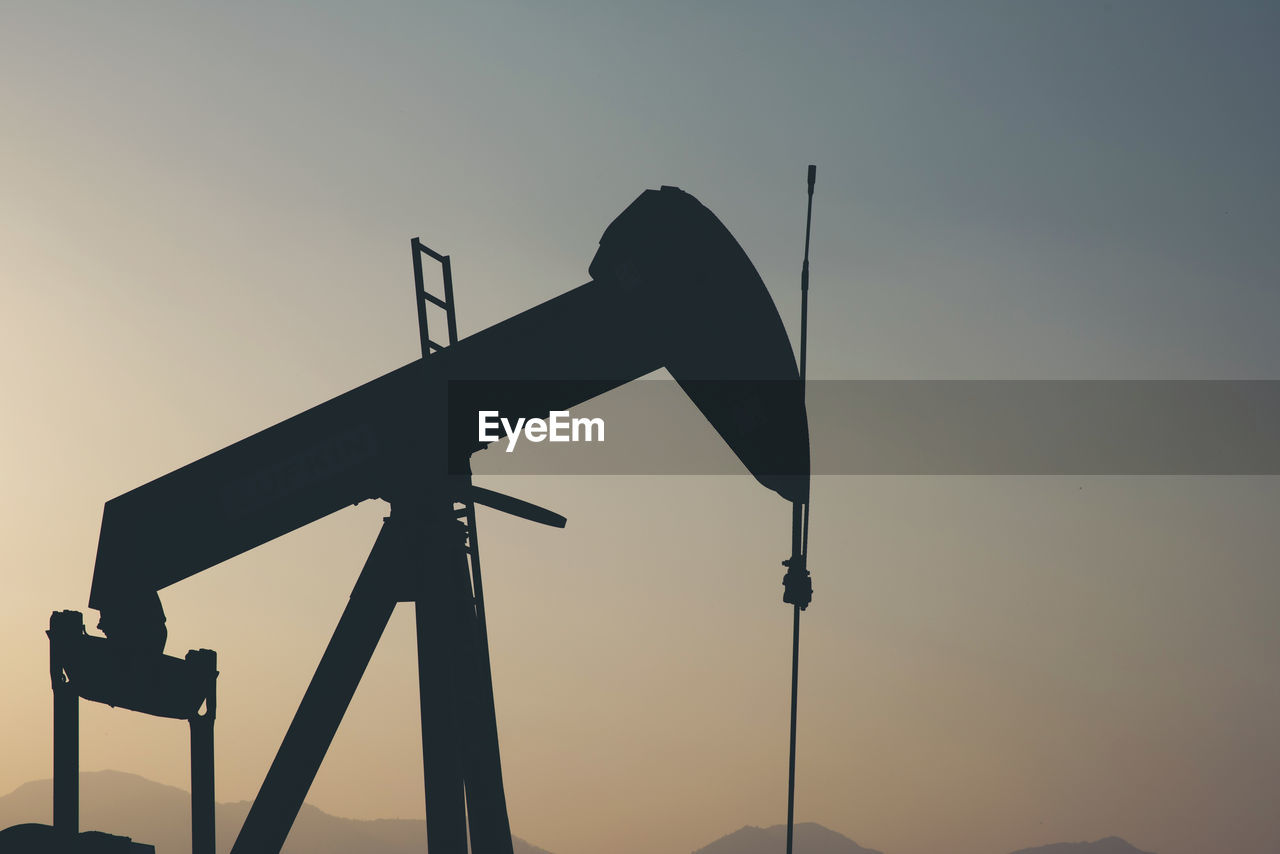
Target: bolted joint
{"points": [[797, 585]]}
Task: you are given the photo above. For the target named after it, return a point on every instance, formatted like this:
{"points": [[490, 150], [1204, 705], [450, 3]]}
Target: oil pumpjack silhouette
{"points": [[670, 287]]}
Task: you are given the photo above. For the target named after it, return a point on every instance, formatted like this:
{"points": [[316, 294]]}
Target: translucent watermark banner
{"points": [[891, 427]]}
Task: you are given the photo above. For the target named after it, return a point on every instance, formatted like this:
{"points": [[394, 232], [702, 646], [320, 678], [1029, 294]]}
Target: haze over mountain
{"points": [[812, 838], [809, 838], [130, 805], [160, 815], [1110, 845]]}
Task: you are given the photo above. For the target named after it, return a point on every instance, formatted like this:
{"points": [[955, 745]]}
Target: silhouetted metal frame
{"points": [[425, 555], [799, 523], [64, 628], [311, 731], [66, 631], [203, 810], [367, 442], [485, 809]]}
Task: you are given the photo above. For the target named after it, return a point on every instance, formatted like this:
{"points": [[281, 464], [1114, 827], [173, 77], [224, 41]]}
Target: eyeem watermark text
{"points": [[558, 428]]}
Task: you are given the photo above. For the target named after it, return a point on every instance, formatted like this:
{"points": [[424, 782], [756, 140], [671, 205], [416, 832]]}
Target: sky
{"points": [[205, 213]]}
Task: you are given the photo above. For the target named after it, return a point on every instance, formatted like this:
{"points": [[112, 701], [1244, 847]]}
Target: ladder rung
{"points": [[422, 247], [436, 300], [433, 346]]}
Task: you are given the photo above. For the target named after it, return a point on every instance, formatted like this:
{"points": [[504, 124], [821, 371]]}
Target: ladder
{"points": [[464, 510]]}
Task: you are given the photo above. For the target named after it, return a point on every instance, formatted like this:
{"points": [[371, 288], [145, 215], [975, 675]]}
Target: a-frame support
{"points": [[426, 553], [422, 558]]}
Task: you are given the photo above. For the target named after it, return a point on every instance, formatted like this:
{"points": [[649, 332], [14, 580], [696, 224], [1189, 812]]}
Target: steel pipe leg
{"points": [[65, 628], [203, 819], [462, 769], [440, 592], [202, 801], [66, 760], [486, 799], [323, 706], [441, 754], [287, 782]]}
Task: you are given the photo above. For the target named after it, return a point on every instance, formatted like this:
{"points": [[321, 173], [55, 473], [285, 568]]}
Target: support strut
{"points": [[65, 627], [324, 704], [203, 818]]}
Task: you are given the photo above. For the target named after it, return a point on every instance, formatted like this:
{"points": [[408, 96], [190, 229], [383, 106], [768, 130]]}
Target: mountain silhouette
{"points": [[129, 805], [160, 815], [1110, 845], [809, 838]]}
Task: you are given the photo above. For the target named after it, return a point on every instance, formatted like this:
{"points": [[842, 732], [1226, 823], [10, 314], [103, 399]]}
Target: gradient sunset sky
{"points": [[205, 214]]}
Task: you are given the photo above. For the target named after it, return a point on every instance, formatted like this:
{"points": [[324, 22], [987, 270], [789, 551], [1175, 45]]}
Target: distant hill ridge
{"points": [[1110, 845], [159, 815], [809, 838]]}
